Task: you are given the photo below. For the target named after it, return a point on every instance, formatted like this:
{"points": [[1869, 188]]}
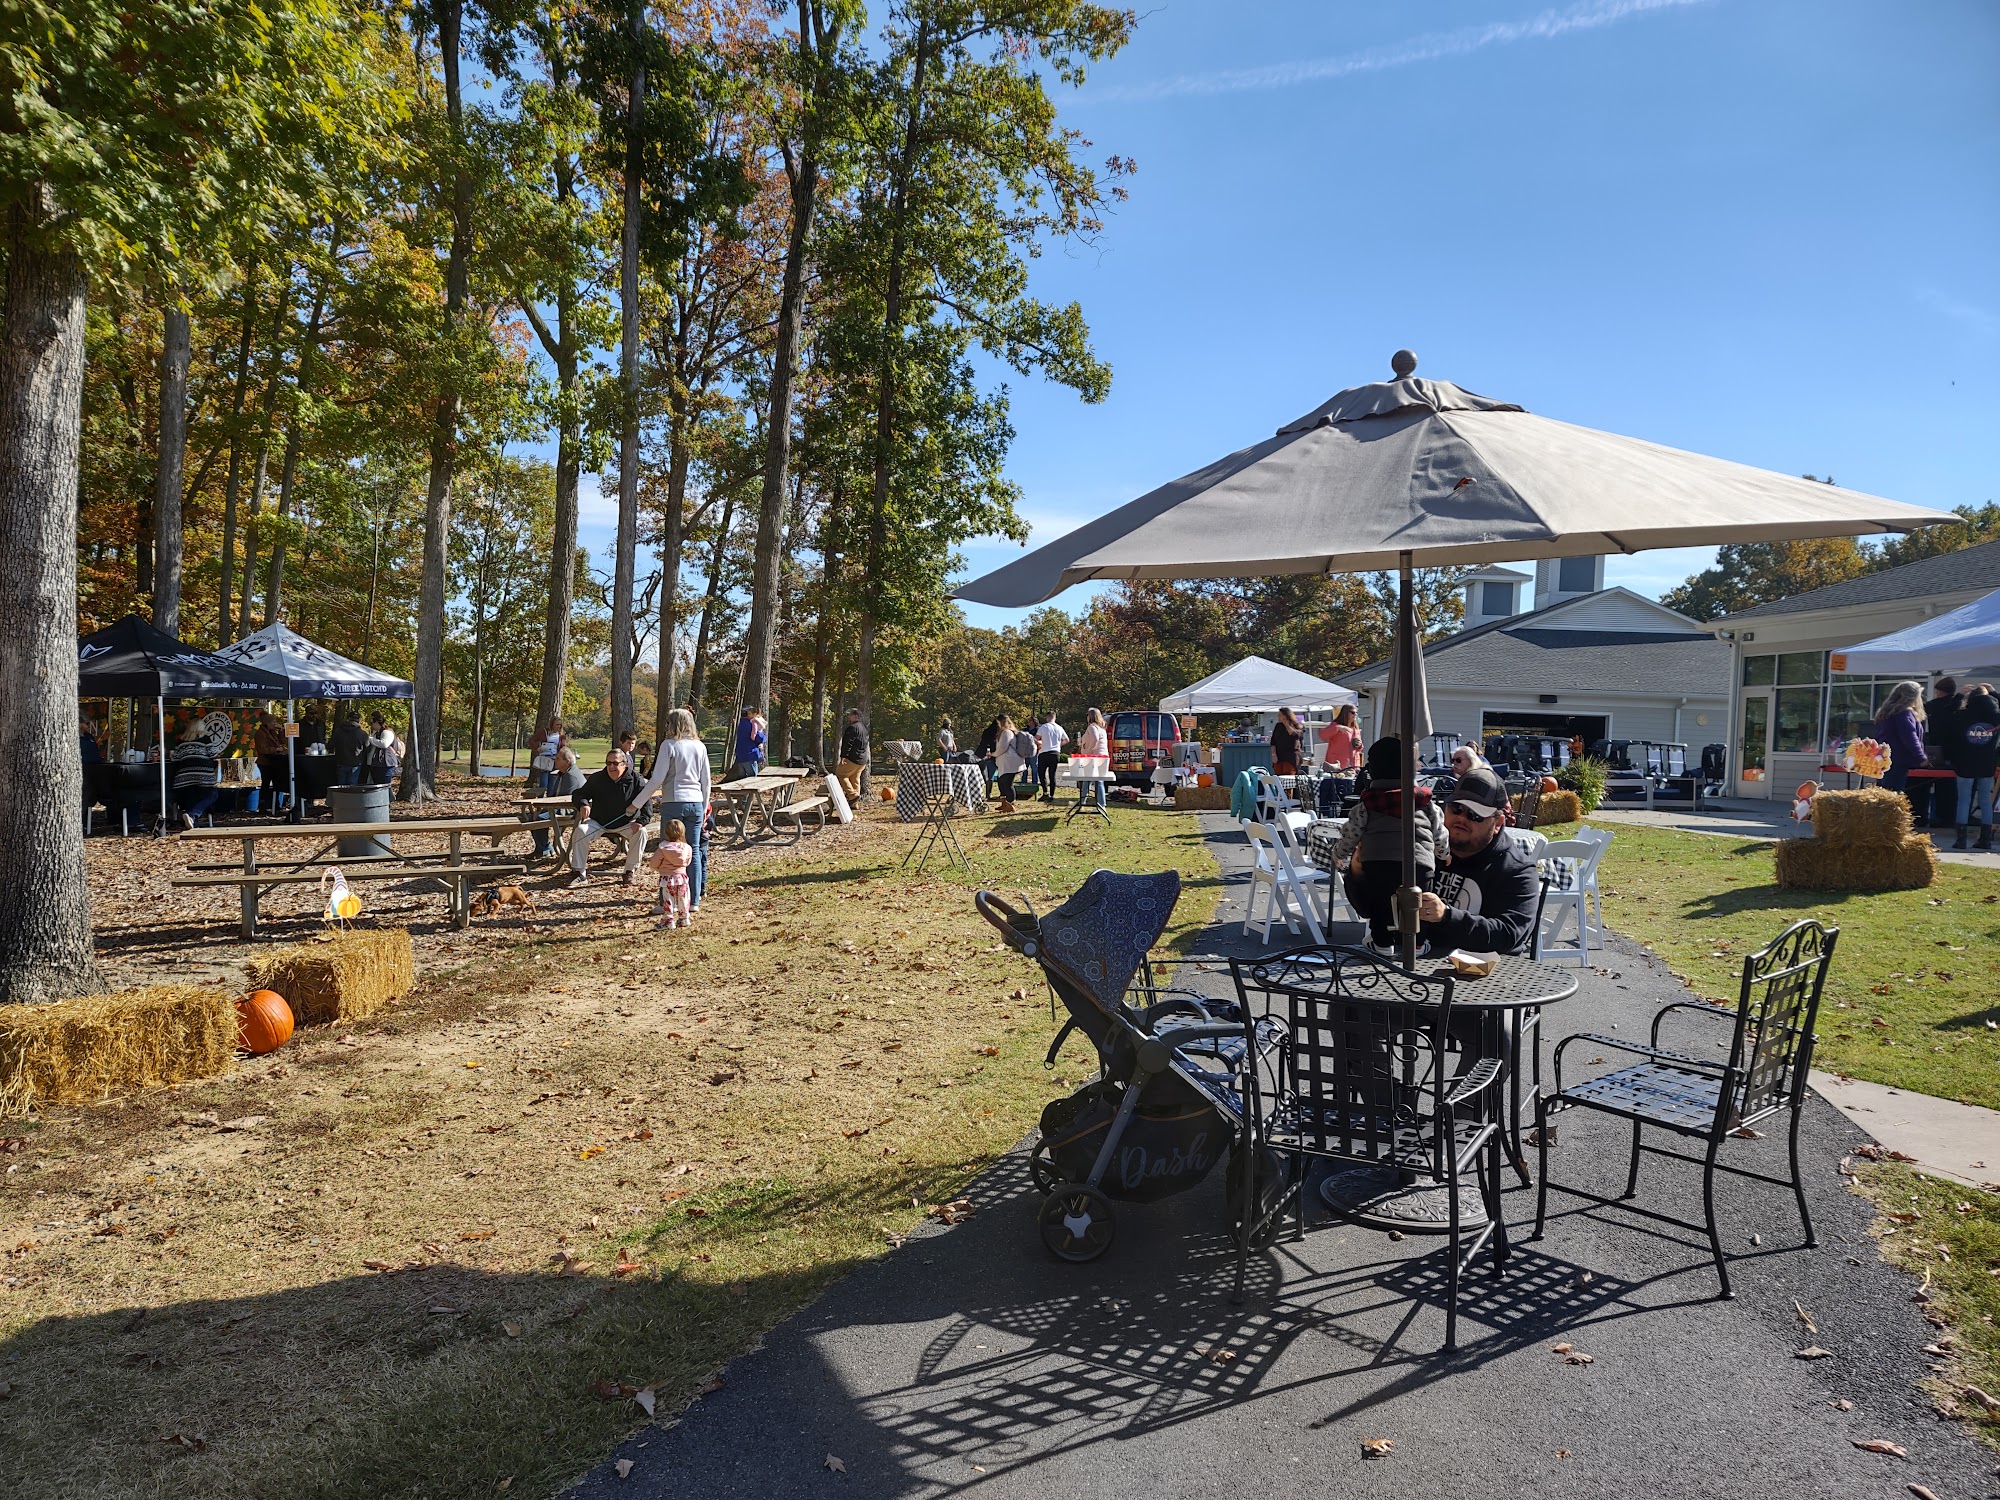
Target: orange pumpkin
{"points": [[263, 1021], [1550, 784], [888, 794]]}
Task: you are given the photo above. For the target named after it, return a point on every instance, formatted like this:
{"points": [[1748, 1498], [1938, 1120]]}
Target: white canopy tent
{"points": [[1256, 685], [1966, 639]]}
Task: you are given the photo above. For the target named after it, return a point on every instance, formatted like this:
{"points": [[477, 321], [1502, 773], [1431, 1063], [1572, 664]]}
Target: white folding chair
{"points": [[1570, 867], [1284, 884], [1602, 838]]}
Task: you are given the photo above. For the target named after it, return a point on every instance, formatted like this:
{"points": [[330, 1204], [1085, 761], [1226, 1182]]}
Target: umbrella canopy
{"points": [[310, 670], [1423, 469], [135, 659], [1255, 685], [1967, 637], [1416, 720], [1411, 473]]}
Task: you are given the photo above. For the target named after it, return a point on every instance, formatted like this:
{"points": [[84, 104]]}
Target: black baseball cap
{"points": [[1480, 790]]}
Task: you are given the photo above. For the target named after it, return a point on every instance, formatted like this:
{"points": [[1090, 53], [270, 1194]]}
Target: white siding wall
{"points": [[1614, 611]]}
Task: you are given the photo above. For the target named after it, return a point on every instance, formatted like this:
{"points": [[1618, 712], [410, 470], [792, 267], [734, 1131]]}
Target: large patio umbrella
{"points": [[1963, 640], [1416, 472]]}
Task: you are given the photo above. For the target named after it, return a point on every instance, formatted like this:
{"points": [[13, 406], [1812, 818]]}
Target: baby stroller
{"points": [[1177, 1085]]}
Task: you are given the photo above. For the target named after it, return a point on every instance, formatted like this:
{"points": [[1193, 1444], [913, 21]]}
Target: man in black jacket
{"points": [[349, 747], [1940, 739], [608, 795], [1485, 900], [853, 756]]}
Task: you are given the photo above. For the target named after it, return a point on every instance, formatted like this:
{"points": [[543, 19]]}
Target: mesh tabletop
{"points": [[1514, 984], [920, 782]]}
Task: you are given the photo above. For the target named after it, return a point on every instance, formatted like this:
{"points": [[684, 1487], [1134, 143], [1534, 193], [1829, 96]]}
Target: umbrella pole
{"points": [[1407, 894], [291, 766]]}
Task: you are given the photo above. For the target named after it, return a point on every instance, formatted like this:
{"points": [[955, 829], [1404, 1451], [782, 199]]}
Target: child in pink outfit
{"points": [[670, 860]]}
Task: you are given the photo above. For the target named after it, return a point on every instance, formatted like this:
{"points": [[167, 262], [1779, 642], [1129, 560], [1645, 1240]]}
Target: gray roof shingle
{"points": [[1947, 573]]}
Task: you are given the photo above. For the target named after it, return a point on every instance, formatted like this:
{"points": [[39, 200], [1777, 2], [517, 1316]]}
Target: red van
{"points": [[1139, 742]]}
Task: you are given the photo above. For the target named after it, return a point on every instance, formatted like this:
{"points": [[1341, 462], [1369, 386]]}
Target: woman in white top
{"points": [[1095, 745], [681, 777]]}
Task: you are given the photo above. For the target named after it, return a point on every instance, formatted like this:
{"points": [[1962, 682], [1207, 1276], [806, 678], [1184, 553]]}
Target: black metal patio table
{"points": [[1506, 1008]]}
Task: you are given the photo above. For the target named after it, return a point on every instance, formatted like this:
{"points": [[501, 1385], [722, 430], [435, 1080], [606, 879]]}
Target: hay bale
{"points": [[1202, 798], [1871, 817], [1557, 807], [355, 975], [1818, 865], [96, 1047]]}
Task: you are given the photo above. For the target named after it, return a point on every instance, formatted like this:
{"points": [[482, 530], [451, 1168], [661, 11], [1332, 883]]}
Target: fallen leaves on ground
{"points": [[1814, 1352], [1377, 1447], [834, 1464], [624, 1468], [955, 1212], [1881, 1445]]}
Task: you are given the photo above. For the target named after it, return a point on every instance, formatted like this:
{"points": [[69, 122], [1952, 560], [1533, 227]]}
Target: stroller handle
{"points": [[1021, 930]]}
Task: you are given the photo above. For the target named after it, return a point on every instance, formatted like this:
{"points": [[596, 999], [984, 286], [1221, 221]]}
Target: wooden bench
{"points": [[794, 812]]}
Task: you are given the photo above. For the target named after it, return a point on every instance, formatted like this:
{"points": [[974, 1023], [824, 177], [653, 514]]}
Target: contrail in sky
{"points": [[1589, 16]]}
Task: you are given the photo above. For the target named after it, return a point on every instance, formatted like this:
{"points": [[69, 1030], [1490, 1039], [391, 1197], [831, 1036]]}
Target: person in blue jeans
{"points": [[1974, 752], [749, 743], [681, 778]]}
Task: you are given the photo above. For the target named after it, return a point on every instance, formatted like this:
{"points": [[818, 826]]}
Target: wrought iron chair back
{"points": [[1364, 1063], [1772, 1049]]}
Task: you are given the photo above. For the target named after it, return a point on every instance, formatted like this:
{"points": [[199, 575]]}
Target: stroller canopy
{"points": [[1101, 935]]}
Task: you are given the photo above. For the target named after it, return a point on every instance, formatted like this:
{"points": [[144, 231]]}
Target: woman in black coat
{"points": [[1974, 750]]}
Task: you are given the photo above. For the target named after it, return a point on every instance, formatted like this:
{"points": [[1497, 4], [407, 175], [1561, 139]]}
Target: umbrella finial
{"points": [[1403, 363]]}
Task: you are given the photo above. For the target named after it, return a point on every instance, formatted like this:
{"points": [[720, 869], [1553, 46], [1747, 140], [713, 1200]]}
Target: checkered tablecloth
{"points": [[917, 784], [1320, 839]]}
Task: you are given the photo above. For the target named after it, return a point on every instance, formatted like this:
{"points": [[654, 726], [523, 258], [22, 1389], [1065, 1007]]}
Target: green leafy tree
{"points": [[1747, 574], [125, 135]]}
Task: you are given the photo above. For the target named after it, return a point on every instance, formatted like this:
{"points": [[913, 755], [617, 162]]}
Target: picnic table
{"points": [[559, 812], [252, 880], [772, 796]]}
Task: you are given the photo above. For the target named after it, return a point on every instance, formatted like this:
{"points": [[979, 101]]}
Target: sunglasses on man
{"points": [[1467, 811]]}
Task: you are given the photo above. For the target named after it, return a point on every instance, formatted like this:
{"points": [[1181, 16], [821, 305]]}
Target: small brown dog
{"points": [[494, 897]]}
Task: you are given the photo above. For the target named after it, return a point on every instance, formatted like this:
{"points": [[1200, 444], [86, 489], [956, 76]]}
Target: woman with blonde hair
{"points": [[1008, 760], [681, 778], [1900, 726]]}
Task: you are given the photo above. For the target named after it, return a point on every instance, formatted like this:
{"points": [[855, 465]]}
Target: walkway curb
{"points": [[1941, 1136]]}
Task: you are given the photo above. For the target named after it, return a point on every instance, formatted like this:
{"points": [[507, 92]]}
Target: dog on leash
{"points": [[495, 898]]}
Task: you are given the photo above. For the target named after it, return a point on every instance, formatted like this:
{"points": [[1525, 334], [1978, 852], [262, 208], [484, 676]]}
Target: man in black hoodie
{"points": [[608, 795], [1485, 900], [1974, 751]]}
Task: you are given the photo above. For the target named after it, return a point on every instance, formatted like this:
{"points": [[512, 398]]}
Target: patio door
{"points": [[1753, 745]]}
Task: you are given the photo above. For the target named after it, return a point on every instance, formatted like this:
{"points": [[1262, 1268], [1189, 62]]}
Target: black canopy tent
{"points": [[135, 659]]}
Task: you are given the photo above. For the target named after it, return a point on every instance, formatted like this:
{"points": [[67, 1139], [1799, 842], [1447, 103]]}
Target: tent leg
{"points": [[1407, 894], [160, 708], [291, 765]]}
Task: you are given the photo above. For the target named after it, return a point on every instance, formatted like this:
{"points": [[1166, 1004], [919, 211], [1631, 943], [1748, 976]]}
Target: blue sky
{"points": [[1763, 229]]}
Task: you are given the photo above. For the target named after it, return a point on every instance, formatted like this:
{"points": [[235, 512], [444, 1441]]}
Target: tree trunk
{"points": [[885, 391], [167, 534], [698, 669], [45, 946], [428, 710], [226, 589], [673, 529], [561, 348], [274, 593], [760, 639], [628, 442]]}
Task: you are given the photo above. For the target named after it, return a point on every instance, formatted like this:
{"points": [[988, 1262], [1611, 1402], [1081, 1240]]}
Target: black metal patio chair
{"points": [[1770, 1054], [1369, 1073]]}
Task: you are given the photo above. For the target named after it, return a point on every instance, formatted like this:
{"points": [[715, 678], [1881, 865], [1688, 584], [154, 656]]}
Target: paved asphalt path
{"points": [[970, 1361]]}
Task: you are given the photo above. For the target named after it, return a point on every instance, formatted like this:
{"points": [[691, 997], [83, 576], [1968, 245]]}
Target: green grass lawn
{"points": [[1911, 998], [1949, 1236]]}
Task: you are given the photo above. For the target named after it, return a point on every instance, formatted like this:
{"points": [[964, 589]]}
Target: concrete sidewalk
{"points": [[968, 1360], [1745, 818]]}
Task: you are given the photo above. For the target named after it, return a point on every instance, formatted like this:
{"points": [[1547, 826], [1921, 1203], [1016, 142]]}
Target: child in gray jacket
{"points": [[1369, 852]]}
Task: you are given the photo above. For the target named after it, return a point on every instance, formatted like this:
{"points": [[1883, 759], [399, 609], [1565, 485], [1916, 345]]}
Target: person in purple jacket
{"points": [[1900, 726]]}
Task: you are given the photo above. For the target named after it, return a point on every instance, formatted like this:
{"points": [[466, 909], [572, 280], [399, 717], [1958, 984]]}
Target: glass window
{"points": [[1760, 671], [1850, 710], [1125, 727], [1577, 575], [1756, 734], [1795, 719], [1496, 599], [1802, 667]]}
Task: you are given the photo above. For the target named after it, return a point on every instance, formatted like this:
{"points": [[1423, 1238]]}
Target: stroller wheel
{"points": [[1077, 1222], [1042, 1170]]}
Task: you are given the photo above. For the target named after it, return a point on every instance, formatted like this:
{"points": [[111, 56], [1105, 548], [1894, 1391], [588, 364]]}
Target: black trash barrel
{"points": [[360, 804]]}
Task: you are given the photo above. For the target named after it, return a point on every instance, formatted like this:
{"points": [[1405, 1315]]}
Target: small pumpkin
{"points": [[263, 1021], [1550, 784], [888, 794]]}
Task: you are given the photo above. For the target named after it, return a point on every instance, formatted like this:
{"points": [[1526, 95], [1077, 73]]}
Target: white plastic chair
{"points": [[1284, 884], [1559, 901], [1272, 796], [1602, 838]]}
